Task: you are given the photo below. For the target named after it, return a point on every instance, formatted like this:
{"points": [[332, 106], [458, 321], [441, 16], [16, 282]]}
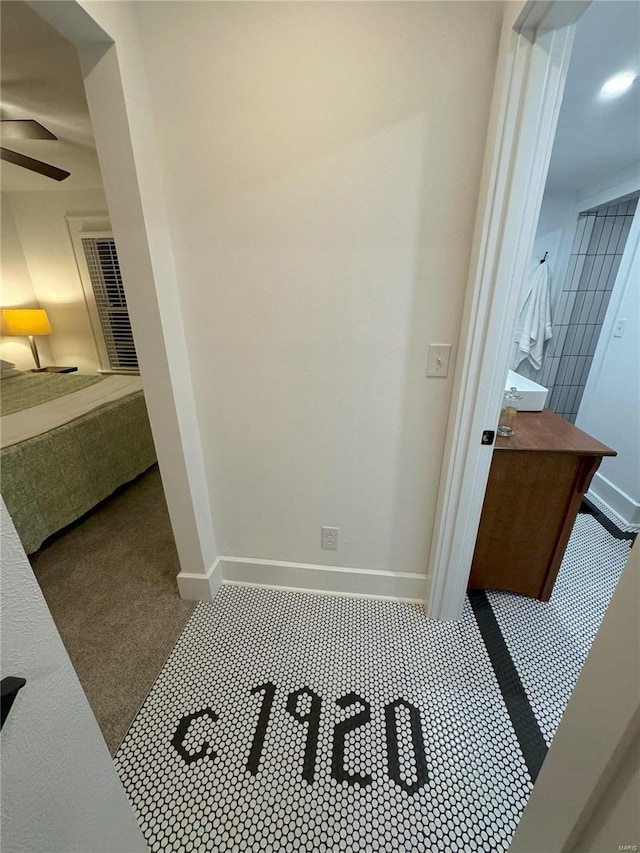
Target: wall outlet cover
{"points": [[620, 326], [329, 538]]}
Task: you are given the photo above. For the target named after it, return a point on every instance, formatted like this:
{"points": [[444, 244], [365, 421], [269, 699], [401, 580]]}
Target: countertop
{"points": [[546, 431]]}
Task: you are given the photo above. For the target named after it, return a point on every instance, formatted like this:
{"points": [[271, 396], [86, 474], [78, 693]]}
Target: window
{"points": [[108, 291], [104, 292]]}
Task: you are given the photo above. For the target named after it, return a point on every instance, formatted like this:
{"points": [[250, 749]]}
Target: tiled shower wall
{"points": [[595, 257]]}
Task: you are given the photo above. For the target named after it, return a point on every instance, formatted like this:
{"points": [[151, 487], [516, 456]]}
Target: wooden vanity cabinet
{"points": [[537, 479]]}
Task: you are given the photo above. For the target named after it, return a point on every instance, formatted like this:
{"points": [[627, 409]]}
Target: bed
{"points": [[68, 441]]}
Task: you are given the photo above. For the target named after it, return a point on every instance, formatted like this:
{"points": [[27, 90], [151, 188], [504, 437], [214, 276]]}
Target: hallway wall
{"points": [[610, 407], [308, 202], [60, 791], [17, 290], [321, 218], [44, 235]]}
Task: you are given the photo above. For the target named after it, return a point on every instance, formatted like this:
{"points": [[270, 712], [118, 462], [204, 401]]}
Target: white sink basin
{"points": [[534, 396]]}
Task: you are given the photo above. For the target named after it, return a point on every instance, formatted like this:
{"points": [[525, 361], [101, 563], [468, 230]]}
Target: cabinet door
{"points": [[530, 506]]}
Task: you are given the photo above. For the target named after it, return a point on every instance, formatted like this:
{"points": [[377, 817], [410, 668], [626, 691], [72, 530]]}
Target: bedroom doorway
{"points": [[80, 480], [132, 177]]}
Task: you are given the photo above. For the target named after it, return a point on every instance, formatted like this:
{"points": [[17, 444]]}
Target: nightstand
{"points": [[51, 368]]}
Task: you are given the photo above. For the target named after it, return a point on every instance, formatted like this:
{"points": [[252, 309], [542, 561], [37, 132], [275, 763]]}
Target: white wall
{"points": [[17, 290], [42, 227], [559, 218], [586, 796], [321, 165], [60, 791], [610, 408], [616, 815], [556, 227], [554, 236]]}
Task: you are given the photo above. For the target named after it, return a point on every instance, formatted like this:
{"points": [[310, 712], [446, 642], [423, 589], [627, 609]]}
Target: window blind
{"points": [[106, 281]]}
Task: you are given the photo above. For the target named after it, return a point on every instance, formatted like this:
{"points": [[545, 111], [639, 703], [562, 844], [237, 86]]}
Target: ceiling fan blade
{"points": [[34, 165], [24, 128]]}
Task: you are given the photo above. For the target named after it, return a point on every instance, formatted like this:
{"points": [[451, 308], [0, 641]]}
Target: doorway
{"points": [[562, 632], [526, 109], [84, 490], [588, 231]]}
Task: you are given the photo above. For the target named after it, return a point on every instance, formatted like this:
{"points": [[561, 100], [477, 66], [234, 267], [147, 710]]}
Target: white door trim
{"points": [[105, 35], [532, 70]]}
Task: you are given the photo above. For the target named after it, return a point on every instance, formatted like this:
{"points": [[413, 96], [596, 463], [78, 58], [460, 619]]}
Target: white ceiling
{"points": [[40, 78], [598, 138]]}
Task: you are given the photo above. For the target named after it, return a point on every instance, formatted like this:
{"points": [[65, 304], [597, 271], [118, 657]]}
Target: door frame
{"points": [[533, 61], [105, 36]]}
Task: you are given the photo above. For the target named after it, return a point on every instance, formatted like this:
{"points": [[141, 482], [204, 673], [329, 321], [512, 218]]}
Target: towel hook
{"points": [[545, 257]]}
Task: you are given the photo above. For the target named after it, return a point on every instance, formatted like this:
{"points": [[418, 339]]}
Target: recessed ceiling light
{"points": [[618, 84]]}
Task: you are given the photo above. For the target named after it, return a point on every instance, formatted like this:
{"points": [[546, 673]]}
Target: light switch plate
{"points": [[438, 360]]}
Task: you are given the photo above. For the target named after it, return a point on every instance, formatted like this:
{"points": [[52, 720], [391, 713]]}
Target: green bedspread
{"points": [[50, 480], [24, 390]]}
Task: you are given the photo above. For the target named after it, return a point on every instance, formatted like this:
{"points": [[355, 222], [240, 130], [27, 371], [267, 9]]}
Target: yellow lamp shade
{"points": [[25, 321]]}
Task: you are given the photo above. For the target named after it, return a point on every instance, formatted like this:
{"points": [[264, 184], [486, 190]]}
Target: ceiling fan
{"points": [[28, 129]]}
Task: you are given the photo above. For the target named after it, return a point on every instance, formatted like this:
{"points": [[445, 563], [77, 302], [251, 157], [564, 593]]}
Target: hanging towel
{"points": [[534, 320]]}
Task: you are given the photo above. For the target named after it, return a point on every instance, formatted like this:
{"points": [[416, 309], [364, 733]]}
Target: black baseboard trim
{"points": [[605, 521], [532, 743]]}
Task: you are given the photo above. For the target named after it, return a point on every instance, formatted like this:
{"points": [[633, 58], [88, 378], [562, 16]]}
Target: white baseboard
{"points": [[323, 580], [195, 587], [618, 501]]}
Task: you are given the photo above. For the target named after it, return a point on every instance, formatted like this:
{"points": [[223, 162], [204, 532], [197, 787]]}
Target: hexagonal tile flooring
{"points": [[292, 722]]}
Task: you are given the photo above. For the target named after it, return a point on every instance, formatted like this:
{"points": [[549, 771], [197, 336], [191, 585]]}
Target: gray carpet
{"points": [[110, 583]]}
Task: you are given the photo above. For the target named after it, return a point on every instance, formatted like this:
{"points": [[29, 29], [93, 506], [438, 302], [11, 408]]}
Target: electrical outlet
{"points": [[438, 360], [329, 538], [618, 332]]}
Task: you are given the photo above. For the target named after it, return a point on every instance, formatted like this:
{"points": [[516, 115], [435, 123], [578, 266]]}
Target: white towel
{"points": [[534, 320]]}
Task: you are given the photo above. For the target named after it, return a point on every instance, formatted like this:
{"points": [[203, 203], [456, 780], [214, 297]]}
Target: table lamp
{"points": [[26, 322]]}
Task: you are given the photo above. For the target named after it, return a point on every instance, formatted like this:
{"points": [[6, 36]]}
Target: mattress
{"points": [[68, 442], [35, 410]]}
